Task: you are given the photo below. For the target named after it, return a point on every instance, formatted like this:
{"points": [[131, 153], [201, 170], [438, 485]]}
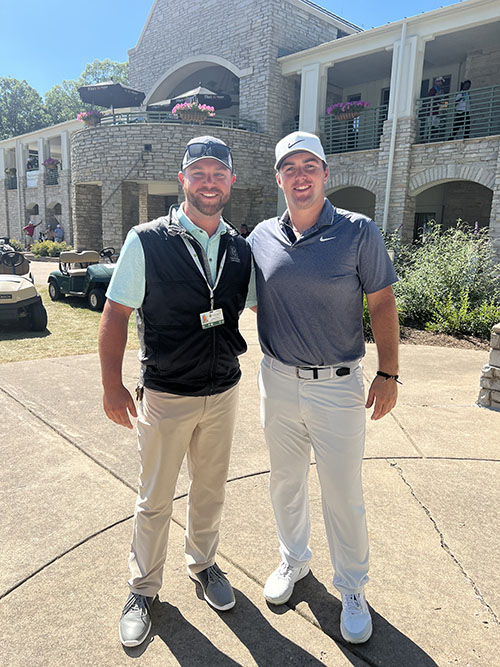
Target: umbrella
{"points": [[201, 94], [109, 94]]}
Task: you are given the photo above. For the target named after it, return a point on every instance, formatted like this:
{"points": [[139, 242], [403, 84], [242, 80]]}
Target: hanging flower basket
{"points": [[193, 112], [193, 116], [50, 163], [90, 118], [347, 110], [348, 115]]}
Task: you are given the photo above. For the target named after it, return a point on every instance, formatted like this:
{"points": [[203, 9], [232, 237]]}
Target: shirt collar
{"points": [[326, 218], [193, 229]]}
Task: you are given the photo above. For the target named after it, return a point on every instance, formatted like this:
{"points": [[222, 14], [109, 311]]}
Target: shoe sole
{"points": [[285, 598], [356, 640], [226, 607]]}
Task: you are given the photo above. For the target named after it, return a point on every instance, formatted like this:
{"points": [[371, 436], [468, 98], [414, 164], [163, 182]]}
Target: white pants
{"points": [[328, 414], [169, 427]]}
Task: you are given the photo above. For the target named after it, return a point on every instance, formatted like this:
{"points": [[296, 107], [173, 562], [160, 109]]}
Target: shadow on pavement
{"points": [[388, 647]]}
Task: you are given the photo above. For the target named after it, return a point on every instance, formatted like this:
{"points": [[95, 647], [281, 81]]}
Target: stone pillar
{"points": [[87, 217], [494, 227], [143, 203], [130, 207], [489, 393], [112, 214], [402, 206], [312, 96]]}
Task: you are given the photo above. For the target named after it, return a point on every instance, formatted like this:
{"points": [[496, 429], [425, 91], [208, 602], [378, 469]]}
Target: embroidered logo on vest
{"points": [[233, 254]]}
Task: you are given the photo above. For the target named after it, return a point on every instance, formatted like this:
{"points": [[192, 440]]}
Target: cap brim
{"points": [[298, 150]]}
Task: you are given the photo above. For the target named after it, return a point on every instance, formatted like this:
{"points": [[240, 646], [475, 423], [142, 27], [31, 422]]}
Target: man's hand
{"points": [[384, 394], [118, 403]]}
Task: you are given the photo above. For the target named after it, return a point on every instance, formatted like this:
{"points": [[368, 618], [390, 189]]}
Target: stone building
{"points": [[284, 62]]}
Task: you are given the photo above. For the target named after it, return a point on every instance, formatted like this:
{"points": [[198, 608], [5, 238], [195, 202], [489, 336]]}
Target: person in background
{"points": [[59, 234], [29, 231], [462, 110], [244, 231]]}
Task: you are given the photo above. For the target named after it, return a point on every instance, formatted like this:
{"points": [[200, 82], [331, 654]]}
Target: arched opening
{"points": [[212, 75], [355, 199], [447, 202], [54, 215]]}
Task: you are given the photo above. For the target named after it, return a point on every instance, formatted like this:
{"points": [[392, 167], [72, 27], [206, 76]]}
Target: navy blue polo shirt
{"points": [[310, 290]]}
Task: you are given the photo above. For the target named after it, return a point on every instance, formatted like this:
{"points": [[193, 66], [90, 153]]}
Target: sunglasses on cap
{"points": [[198, 150]]}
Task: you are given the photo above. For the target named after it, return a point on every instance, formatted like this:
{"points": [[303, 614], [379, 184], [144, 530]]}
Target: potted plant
{"points": [[90, 118], [50, 163], [347, 110], [193, 111], [11, 171]]}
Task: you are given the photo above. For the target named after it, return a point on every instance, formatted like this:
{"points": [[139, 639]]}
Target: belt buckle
{"points": [[305, 368]]}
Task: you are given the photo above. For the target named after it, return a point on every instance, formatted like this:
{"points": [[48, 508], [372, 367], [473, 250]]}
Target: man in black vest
{"points": [[187, 276]]}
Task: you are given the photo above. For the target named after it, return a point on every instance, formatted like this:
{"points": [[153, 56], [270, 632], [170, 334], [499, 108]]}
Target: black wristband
{"points": [[388, 377]]}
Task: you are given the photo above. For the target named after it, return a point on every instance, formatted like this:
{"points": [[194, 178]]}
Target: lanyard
{"points": [[205, 271]]}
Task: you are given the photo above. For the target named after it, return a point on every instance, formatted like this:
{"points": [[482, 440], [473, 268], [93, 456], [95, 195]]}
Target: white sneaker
{"points": [[355, 619], [279, 584]]}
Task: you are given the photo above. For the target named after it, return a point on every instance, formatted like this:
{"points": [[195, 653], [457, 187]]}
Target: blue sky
{"points": [[46, 42]]}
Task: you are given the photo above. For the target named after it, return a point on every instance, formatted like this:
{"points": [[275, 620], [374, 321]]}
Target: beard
{"points": [[207, 206]]}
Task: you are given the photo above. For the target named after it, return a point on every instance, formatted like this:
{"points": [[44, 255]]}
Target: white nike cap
{"points": [[297, 142]]}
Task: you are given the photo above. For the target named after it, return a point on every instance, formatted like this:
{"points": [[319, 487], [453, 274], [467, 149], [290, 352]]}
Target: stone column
{"points": [[489, 393], [65, 152], [87, 217], [112, 214], [143, 203], [494, 229]]}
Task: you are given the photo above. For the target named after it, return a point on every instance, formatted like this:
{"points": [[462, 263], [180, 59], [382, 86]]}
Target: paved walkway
{"points": [[432, 480]]}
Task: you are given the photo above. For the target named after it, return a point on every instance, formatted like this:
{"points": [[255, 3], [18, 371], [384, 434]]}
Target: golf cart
{"points": [[80, 274], [19, 299]]}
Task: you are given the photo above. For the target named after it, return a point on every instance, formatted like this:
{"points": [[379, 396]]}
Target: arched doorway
{"points": [[447, 202], [355, 199]]}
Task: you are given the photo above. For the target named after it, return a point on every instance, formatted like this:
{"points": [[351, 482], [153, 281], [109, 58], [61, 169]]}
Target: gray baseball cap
{"points": [[200, 148]]}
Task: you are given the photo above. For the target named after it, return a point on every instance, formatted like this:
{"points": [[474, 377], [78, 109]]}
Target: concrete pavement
{"points": [[432, 486]]}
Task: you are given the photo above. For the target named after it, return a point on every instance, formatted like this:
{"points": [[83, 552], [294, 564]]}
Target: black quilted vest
{"points": [[177, 355]]}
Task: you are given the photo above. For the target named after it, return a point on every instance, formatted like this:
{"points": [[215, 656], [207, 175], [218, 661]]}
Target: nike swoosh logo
{"points": [[295, 142], [327, 238]]}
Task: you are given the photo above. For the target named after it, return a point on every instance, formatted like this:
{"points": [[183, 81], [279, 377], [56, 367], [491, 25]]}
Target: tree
{"points": [[62, 101], [21, 108]]}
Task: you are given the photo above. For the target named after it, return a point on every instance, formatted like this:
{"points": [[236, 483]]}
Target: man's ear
{"points": [[327, 174], [278, 180], [233, 178], [180, 176]]}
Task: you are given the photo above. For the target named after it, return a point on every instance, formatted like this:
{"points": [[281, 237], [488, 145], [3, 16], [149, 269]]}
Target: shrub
{"points": [[449, 283], [17, 245], [49, 248]]}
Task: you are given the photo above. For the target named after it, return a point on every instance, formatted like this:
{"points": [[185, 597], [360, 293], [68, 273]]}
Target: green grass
{"points": [[72, 329]]}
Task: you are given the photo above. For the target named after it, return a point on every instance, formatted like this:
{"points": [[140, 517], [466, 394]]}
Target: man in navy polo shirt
{"points": [[313, 266], [187, 276]]}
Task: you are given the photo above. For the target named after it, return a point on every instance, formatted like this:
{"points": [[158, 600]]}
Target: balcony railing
{"points": [[52, 176], [443, 118], [356, 134], [134, 117], [11, 182]]}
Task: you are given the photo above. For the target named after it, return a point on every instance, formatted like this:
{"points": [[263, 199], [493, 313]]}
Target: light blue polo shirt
{"points": [[128, 283]]}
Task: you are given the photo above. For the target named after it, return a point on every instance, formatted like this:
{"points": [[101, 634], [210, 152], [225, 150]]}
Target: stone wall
{"points": [[489, 393], [114, 156], [482, 67], [87, 217], [247, 33]]}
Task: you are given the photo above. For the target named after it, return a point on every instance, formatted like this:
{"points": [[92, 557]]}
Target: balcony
{"points": [[357, 134], [439, 119], [134, 117], [52, 176], [11, 182]]}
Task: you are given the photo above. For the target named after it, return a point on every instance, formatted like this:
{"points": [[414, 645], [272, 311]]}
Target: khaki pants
{"points": [[169, 426]]}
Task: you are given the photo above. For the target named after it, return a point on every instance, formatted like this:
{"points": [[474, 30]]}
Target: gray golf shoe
{"points": [[135, 622], [217, 590]]}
